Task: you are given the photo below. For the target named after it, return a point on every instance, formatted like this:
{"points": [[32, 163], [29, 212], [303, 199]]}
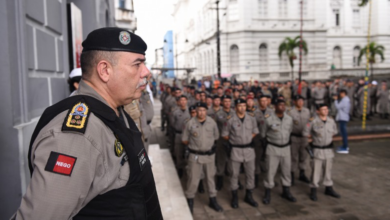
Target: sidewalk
{"points": [[361, 177]]}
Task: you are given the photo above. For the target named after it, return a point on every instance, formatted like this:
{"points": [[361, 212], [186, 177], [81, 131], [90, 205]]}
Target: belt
{"points": [[148, 122], [296, 135], [178, 132], [279, 145], [242, 146], [209, 152], [322, 147]]}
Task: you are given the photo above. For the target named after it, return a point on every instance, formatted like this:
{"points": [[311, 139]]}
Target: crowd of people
{"points": [[218, 132]]}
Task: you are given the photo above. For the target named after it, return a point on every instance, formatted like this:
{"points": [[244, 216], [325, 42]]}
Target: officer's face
{"points": [[299, 103], [209, 101], [201, 113], [263, 102], [227, 103], [193, 113], [249, 103], [323, 111], [178, 93], [241, 108], [281, 107], [217, 102], [183, 102]]}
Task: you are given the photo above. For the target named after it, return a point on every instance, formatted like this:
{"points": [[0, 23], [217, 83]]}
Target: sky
{"points": [[154, 19]]}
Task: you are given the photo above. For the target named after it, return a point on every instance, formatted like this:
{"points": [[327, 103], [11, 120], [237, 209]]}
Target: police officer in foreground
{"points": [[86, 155], [277, 132], [239, 130], [200, 134], [321, 129], [300, 116]]}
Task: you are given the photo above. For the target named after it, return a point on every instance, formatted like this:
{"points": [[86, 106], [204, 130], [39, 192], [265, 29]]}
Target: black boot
{"points": [[234, 199], [267, 196], [330, 192], [200, 187], [257, 176], [292, 179], [180, 173], [313, 194], [219, 184], [302, 177], [214, 204], [287, 195], [190, 204], [249, 199], [240, 185]]}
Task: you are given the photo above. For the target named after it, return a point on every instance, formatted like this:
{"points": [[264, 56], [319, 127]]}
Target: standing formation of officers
{"points": [[214, 135]]}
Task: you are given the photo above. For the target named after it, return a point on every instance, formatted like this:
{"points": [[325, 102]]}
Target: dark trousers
{"points": [[343, 132]]}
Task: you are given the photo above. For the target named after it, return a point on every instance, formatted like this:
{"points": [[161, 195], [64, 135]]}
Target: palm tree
{"points": [[374, 50], [288, 46], [363, 3]]}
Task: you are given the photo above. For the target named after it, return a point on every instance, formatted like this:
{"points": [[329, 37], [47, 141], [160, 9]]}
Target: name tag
{"points": [[142, 159]]}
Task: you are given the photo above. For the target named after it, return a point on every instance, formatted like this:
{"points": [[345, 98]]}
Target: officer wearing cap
{"points": [[192, 110], [74, 80], [222, 116], [179, 118], [200, 134], [321, 129], [163, 96], [260, 115], [239, 130], [300, 116], [216, 107], [147, 113], [277, 130], [86, 154]]}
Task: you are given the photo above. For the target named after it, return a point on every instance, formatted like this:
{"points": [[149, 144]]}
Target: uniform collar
{"points": [[85, 89]]}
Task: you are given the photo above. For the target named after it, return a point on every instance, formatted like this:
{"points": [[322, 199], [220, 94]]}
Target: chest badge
{"points": [[142, 159], [118, 148], [195, 134]]}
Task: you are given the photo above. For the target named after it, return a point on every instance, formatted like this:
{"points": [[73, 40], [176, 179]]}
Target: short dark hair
{"points": [[343, 91], [89, 59]]}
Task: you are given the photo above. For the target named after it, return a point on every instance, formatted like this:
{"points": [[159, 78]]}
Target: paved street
{"points": [[362, 178]]}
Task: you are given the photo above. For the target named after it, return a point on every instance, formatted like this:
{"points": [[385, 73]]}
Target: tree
{"points": [[374, 50], [363, 3], [288, 46]]}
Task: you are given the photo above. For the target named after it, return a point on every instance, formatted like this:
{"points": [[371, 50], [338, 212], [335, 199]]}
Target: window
{"points": [[122, 3], [356, 18], [336, 13], [304, 8], [263, 8], [234, 58], [263, 58], [337, 57], [282, 8], [356, 51]]}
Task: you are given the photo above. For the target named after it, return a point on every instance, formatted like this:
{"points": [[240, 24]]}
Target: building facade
{"points": [[252, 30], [35, 60], [124, 15]]}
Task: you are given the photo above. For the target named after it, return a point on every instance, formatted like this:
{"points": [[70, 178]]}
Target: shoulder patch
{"points": [[228, 117], [266, 115], [60, 163], [251, 114], [77, 118]]}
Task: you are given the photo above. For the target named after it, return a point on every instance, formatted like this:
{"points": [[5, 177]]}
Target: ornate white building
{"points": [[252, 30]]}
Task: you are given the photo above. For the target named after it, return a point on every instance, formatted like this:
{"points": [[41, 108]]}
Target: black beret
{"points": [[219, 87], [201, 104], [177, 88], [239, 101], [209, 96], [226, 97], [192, 87], [192, 107], [216, 97], [197, 92], [298, 97], [279, 101], [262, 96], [173, 89], [114, 39], [182, 96], [318, 106]]}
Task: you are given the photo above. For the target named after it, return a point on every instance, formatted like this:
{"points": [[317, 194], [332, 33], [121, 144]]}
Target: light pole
{"points": [[218, 43]]}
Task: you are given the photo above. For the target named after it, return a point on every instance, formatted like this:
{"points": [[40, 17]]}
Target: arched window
{"points": [[234, 58], [263, 57], [337, 57], [356, 51]]}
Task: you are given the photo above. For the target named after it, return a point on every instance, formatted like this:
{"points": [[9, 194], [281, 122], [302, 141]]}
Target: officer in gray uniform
{"points": [[86, 152], [277, 130], [239, 130], [321, 129], [300, 116], [216, 107], [163, 96], [318, 95], [178, 119], [383, 95], [259, 143], [222, 116], [200, 134], [147, 113]]}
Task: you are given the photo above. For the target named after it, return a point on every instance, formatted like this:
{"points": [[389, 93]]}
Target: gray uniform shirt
{"points": [[300, 119], [241, 133], [318, 95], [278, 131], [212, 113], [222, 117], [179, 118], [97, 169], [260, 117], [322, 134], [201, 137]]}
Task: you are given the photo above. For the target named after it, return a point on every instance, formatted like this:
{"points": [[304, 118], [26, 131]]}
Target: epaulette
{"points": [[267, 115], [251, 114], [228, 117], [77, 118], [311, 119]]}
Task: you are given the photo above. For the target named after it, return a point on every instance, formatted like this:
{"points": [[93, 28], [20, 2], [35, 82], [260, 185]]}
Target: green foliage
{"points": [[288, 46], [374, 51], [363, 3]]}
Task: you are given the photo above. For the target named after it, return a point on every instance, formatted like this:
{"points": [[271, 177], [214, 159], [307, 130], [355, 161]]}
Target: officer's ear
{"points": [[104, 70]]}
